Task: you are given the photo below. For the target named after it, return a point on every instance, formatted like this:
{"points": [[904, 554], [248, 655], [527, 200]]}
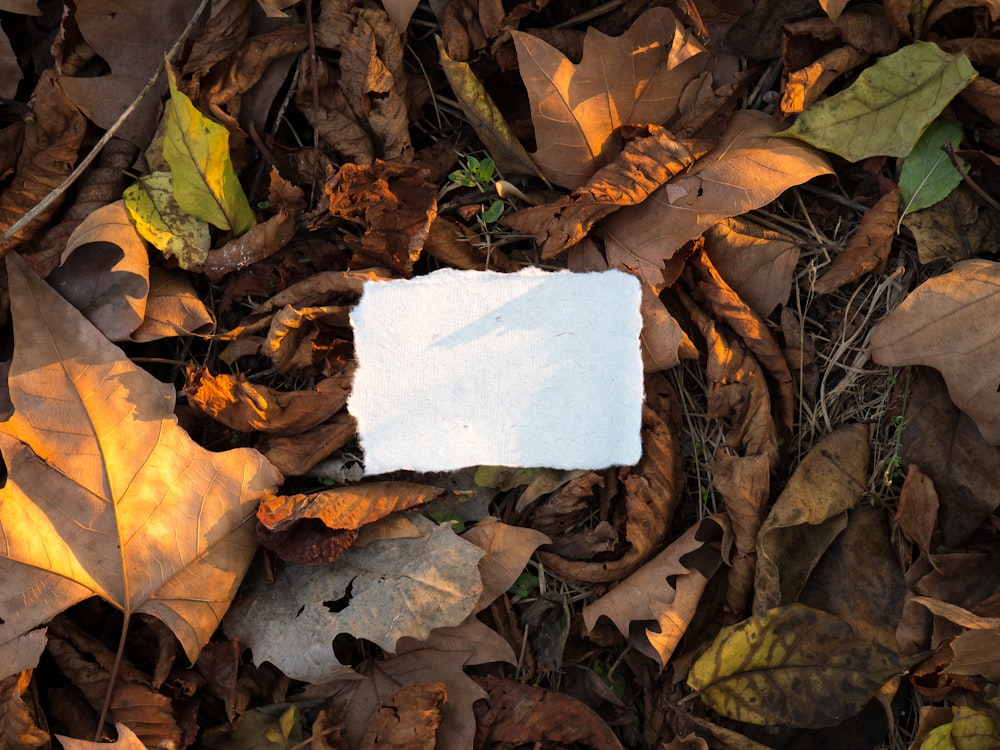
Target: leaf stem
{"points": [[111, 681]]}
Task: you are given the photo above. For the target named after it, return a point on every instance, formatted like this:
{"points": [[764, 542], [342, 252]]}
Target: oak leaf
{"points": [[791, 665], [145, 518], [633, 78], [948, 323]]}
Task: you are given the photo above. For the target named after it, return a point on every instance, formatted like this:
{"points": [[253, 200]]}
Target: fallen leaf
{"points": [[408, 720], [225, 31], [953, 229], [517, 714], [262, 241], [484, 117], [173, 308], [167, 532], [793, 666], [298, 454], [889, 105], [18, 730], [394, 587], [667, 589], [945, 323], [927, 175], [977, 652], [578, 109], [104, 272], [747, 169], [869, 246], [969, 729], [809, 514], [400, 11], [918, 508], [161, 221], [126, 741], [459, 246], [508, 549], [197, 150]]}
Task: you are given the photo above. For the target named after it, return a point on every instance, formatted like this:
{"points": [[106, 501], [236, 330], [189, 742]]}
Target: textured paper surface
{"points": [[463, 368]]}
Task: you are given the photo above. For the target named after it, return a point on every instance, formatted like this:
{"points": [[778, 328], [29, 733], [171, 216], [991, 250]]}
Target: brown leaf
{"points": [[246, 407], [578, 109], [869, 246], [262, 241], [295, 455], [666, 589], [51, 141], [304, 341], [977, 652], [747, 169], [127, 740], [166, 532], [507, 548], [104, 272], [173, 308], [336, 125], [458, 246], [408, 720], [133, 48], [517, 714], [395, 205], [18, 730], [809, 514], [918, 508], [646, 163], [663, 340], [953, 229], [940, 324], [225, 32]]}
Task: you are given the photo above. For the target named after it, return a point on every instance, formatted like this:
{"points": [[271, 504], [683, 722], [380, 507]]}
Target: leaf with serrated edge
{"points": [[106, 495], [927, 175], [888, 107], [794, 666], [197, 150], [161, 221]]}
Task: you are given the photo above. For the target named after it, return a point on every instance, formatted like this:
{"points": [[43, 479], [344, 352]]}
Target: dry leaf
{"points": [[166, 530], [809, 514], [264, 240], [225, 32], [18, 730], [747, 169], [393, 587], [918, 508], [946, 323], [578, 109], [126, 741], [793, 666], [173, 308], [408, 720], [400, 11], [869, 246], [298, 454], [977, 652]]}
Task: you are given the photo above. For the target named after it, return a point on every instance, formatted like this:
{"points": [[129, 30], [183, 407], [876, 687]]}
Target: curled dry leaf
{"points": [[747, 169], [809, 514], [297, 454], [18, 728], [167, 532], [127, 740], [105, 272], [918, 508], [577, 110], [946, 323], [869, 246], [793, 666], [246, 407], [408, 720], [173, 308], [458, 246], [262, 241]]}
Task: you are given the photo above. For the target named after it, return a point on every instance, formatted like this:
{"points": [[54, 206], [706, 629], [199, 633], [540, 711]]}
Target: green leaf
{"points": [[162, 223], [197, 150], [491, 214], [485, 118], [928, 176], [794, 666], [888, 107]]}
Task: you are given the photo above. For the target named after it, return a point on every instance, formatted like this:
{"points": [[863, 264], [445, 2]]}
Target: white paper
{"points": [[465, 368]]}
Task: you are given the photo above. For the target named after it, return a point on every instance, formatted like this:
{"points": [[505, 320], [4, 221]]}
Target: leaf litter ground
{"points": [[773, 514]]}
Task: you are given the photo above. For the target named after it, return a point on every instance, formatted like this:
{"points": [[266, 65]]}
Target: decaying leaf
{"points": [[261, 241], [205, 182], [747, 169], [577, 109], [947, 323], [409, 719], [888, 107], [166, 530], [918, 508], [956, 728], [397, 586], [809, 514], [793, 666], [869, 246], [173, 308], [18, 729], [105, 272], [161, 221]]}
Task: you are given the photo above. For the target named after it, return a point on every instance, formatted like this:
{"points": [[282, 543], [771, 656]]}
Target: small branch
{"points": [[949, 149]]}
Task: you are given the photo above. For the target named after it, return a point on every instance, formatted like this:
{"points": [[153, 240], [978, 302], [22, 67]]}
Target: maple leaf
{"points": [[633, 78], [106, 495]]}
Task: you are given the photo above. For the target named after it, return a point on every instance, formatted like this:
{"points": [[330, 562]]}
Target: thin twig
{"points": [[52, 197], [950, 150]]}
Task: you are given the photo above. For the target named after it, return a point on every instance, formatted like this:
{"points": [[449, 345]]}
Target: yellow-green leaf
{"points": [[485, 118], [160, 221], [885, 111], [969, 730], [197, 150], [793, 666]]}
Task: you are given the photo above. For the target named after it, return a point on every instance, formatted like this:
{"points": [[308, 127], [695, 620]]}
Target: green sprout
{"points": [[477, 173]]}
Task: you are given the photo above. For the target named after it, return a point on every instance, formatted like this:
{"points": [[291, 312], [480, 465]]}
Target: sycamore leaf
{"points": [[888, 107], [793, 665], [197, 150], [747, 169], [633, 78], [948, 323], [106, 495], [161, 221], [416, 577], [485, 118], [927, 175]]}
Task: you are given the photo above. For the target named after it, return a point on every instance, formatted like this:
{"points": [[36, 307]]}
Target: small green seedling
{"points": [[525, 584], [477, 173]]}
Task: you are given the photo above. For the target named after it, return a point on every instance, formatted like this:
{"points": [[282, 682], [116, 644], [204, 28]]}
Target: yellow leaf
{"points": [[160, 221], [197, 150], [970, 729], [794, 666]]}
